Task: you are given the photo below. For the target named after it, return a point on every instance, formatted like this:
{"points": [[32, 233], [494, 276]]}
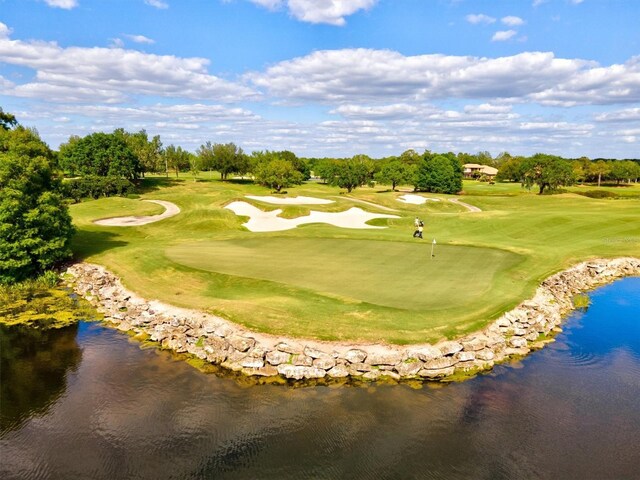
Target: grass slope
{"points": [[330, 283]]}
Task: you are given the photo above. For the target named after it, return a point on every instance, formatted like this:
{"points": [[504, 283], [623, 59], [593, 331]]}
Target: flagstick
{"points": [[432, 244]]}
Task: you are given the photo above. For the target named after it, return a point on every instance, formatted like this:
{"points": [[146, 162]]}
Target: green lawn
{"points": [[330, 283]]}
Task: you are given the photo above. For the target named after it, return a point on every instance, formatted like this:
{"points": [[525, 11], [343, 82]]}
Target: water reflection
{"points": [[132, 413], [34, 365]]}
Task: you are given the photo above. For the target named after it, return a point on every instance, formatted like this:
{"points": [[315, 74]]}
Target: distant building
{"points": [[474, 170]]}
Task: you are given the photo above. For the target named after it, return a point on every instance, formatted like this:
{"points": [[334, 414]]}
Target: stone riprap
{"points": [[220, 342]]}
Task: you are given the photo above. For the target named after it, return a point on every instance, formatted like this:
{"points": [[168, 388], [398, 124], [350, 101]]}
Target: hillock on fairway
{"points": [[330, 283]]}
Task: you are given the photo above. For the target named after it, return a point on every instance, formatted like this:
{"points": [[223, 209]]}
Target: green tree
{"points": [[410, 157], [299, 164], [7, 120], [510, 170], [195, 165], [439, 174], [176, 159], [35, 225], [277, 173], [599, 169], [101, 154], [394, 173], [229, 158], [326, 169], [546, 171], [351, 173], [622, 170], [149, 152], [206, 155]]}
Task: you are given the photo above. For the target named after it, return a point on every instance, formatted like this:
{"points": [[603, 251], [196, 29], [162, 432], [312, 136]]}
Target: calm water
{"points": [[89, 403]]}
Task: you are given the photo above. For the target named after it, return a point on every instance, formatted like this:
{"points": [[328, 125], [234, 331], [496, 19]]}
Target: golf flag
{"points": [[434, 241], [432, 244]]}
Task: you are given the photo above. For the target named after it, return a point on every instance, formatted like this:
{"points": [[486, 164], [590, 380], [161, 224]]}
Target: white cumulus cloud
{"points": [[503, 35], [75, 74], [140, 39], [65, 4], [475, 19], [331, 12], [157, 4], [512, 21], [4, 31]]}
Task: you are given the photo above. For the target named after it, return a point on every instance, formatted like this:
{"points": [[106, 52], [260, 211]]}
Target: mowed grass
{"points": [[400, 275], [325, 282]]}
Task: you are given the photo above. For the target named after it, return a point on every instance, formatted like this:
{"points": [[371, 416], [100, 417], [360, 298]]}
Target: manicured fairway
{"points": [[333, 283], [392, 274]]}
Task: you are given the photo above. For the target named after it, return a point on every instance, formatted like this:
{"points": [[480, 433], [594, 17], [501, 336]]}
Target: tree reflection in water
{"points": [[34, 364]]}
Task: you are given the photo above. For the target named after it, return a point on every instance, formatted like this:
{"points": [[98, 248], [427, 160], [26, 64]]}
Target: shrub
{"points": [[93, 186]]}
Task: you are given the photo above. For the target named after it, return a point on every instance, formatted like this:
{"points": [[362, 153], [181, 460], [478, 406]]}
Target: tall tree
{"points": [[510, 171], [394, 173], [277, 173], [351, 173], [101, 154], [35, 225], [546, 171], [176, 158], [599, 169], [439, 174], [228, 158], [149, 152]]}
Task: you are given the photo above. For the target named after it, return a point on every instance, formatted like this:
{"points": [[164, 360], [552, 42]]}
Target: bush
{"points": [[93, 186], [598, 194]]}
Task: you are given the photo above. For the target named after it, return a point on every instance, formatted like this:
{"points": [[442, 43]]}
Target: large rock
{"points": [[518, 342], [339, 371], [425, 353], [409, 368], [326, 362], [485, 354], [276, 357], [439, 363], [252, 362], [361, 367], [302, 360], [314, 352], [384, 358], [299, 372], [474, 344], [242, 344], [464, 356], [449, 348], [355, 355]]}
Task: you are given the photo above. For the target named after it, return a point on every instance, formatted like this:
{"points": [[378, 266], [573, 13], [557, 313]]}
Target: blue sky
{"points": [[331, 77]]}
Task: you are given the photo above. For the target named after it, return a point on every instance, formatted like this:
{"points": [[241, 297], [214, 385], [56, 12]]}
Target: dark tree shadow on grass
{"points": [[153, 184], [91, 242]]}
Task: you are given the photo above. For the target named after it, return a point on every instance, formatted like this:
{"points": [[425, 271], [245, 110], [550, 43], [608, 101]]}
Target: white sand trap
{"points": [[416, 199], [260, 221], [290, 200], [171, 210]]}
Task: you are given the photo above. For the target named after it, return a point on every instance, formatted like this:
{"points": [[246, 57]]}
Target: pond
{"points": [[88, 402]]}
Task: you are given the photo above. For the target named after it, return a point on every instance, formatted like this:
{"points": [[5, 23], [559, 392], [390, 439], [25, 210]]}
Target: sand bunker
{"points": [[260, 221], [290, 200], [416, 199], [171, 210]]}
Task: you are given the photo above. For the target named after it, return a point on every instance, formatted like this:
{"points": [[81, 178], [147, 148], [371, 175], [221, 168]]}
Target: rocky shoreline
{"points": [[235, 348]]}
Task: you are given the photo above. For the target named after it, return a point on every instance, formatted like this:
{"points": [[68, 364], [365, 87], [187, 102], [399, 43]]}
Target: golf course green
{"points": [[321, 281]]}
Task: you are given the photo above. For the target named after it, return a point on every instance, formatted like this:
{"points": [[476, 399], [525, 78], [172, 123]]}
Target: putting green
{"points": [[392, 274]]}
